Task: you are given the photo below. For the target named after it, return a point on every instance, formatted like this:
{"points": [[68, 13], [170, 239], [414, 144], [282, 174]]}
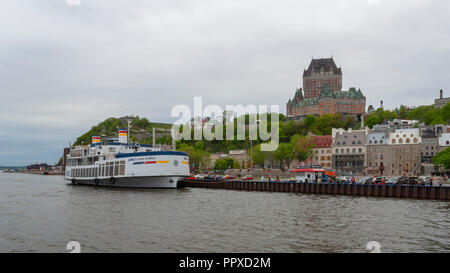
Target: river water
{"points": [[44, 213]]}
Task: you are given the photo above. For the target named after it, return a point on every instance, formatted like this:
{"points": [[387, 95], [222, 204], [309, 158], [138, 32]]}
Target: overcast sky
{"points": [[64, 68]]}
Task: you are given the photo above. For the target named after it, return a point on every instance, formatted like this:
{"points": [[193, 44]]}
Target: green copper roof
{"points": [[327, 92], [310, 101]]}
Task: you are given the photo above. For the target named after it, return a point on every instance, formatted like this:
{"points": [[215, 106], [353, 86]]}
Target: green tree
{"points": [[284, 152], [310, 121], [446, 113], [197, 156], [260, 156], [402, 112], [442, 159], [372, 120], [302, 146], [225, 163]]}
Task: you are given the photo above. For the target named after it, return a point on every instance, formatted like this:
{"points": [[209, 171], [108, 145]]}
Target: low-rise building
{"points": [[239, 156], [430, 142], [376, 150], [321, 153], [444, 141], [348, 151], [397, 124], [438, 103], [403, 154]]}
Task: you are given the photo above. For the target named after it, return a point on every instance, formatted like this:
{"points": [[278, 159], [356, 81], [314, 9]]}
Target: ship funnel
{"points": [[123, 135], [96, 139]]}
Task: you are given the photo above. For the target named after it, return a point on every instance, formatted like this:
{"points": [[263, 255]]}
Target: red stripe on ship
{"points": [[150, 162]]}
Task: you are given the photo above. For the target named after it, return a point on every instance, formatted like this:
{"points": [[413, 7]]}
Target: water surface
{"points": [[44, 213]]}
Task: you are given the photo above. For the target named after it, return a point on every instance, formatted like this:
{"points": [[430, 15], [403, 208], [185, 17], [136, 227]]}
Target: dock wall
{"points": [[393, 191]]}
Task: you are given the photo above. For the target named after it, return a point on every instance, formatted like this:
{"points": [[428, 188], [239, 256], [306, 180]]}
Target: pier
{"points": [[368, 190]]}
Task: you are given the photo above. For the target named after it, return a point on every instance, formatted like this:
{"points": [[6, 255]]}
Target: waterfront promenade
{"points": [[369, 190]]}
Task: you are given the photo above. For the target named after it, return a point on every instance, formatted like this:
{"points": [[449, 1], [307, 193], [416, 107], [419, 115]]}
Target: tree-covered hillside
{"points": [[427, 114], [109, 127]]}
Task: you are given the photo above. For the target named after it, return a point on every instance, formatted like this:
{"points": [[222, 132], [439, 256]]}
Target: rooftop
{"points": [[327, 64]]}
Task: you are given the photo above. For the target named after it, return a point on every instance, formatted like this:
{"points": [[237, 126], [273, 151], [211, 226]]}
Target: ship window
{"points": [[107, 169], [116, 168], [95, 172], [111, 169], [122, 168]]}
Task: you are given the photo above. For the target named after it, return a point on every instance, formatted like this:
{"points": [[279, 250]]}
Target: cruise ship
{"points": [[117, 163]]}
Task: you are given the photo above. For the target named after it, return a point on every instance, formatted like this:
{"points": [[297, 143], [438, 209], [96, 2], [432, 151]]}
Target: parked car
{"points": [[247, 177], [364, 179], [380, 180], [229, 177], [219, 177], [199, 176], [392, 180], [343, 179], [407, 180]]}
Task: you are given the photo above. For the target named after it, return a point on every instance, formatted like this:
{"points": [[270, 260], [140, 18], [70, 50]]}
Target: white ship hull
{"points": [[161, 169], [159, 182]]}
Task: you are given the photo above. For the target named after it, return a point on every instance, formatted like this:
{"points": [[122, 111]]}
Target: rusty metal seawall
{"points": [[393, 191]]}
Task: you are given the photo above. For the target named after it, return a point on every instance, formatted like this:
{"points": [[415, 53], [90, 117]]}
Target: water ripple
{"points": [[43, 213]]}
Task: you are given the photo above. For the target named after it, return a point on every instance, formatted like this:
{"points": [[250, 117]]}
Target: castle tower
{"points": [[319, 73]]}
